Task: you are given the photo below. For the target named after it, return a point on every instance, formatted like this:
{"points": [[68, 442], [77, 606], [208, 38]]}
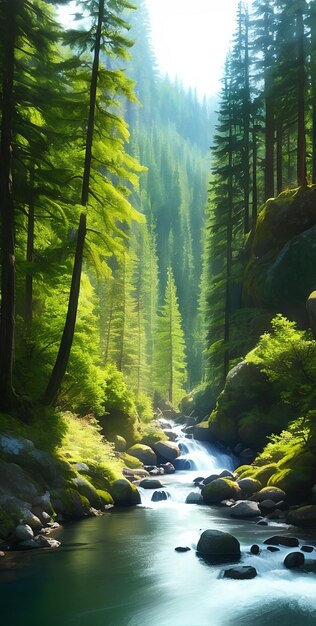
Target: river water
{"points": [[121, 569]]}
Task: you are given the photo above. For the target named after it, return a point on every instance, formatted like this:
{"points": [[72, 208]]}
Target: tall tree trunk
{"points": [[28, 303], [246, 138], [313, 80], [269, 117], [122, 339], [7, 313], [171, 381], [229, 256], [301, 136], [279, 156], [60, 367], [254, 174], [69, 328]]}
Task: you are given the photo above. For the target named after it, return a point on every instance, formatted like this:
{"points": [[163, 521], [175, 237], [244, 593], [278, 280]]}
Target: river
{"points": [[122, 569]]}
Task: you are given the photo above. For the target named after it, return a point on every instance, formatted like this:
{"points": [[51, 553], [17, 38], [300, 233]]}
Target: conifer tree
{"points": [[170, 351]]}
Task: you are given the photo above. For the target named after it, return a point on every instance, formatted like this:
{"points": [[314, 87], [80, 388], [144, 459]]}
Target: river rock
{"points": [[294, 560], [125, 493], [39, 542], [16, 482], [167, 450], [160, 495], [249, 486], [33, 521], [24, 532], [227, 474], [86, 489], [242, 572], [245, 508], [198, 480], [273, 549], [282, 506], [172, 436], [168, 468], [220, 489], [218, 545], [143, 453], [247, 455], [304, 516], [280, 540], [182, 549], [209, 479], [69, 503], [267, 506], [269, 493], [194, 498], [307, 549], [255, 549], [2, 554], [150, 483]]}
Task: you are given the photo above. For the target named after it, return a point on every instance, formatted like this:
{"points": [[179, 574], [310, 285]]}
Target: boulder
{"points": [[242, 572], [143, 453], [245, 508], [307, 549], [269, 493], [24, 532], [249, 486], [194, 498], [172, 436], [267, 506], [209, 479], [86, 489], [150, 483], [220, 489], [39, 542], [168, 468], [119, 443], [304, 516], [201, 432], [159, 495], [294, 560], [280, 540], [33, 521], [125, 493], [218, 546], [255, 549], [166, 450], [16, 482], [69, 503], [227, 474], [273, 549]]}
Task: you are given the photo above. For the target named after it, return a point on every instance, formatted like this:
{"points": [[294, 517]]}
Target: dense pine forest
{"points": [[157, 298]]}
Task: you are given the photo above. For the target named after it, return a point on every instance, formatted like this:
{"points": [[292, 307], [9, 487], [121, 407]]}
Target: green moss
{"points": [[263, 474], [131, 461], [245, 471], [105, 497], [9, 521], [220, 489], [152, 433], [295, 483]]}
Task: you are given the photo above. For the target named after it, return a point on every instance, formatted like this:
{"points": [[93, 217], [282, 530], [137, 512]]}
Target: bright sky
{"points": [[191, 39]]}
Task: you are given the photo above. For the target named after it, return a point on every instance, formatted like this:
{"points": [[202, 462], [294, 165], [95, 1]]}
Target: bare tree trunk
{"points": [[313, 75], [7, 313], [279, 156], [246, 116], [254, 174], [229, 256], [28, 303]]}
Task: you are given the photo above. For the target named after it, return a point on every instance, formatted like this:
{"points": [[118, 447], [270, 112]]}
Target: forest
{"points": [[157, 256]]}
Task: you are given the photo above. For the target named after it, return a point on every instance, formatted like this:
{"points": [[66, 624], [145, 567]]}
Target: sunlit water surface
{"points": [[122, 570]]}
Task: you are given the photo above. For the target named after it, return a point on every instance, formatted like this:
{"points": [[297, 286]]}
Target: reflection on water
{"points": [[122, 570]]}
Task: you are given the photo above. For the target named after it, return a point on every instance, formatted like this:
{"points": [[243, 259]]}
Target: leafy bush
{"points": [[288, 357], [120, 413], [152, 433], [144, 407]]}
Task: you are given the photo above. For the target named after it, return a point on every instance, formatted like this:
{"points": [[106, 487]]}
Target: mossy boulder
{"points": [[124, 493], [218, 546], [119, 443], [16, 482], [249, 486], [105, 497], [86, 489], [143, 453], [221, 489], [264, 473], [296, 483], [9, 519], [69, 503], [202, 432], [270, 493], [131, 461], [280, 272], [304, 516]]}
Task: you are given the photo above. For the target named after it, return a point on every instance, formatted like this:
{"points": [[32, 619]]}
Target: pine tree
{"points": [[170, 353]]}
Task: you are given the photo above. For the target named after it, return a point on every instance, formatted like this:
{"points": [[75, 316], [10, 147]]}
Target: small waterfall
{"points": [[200, 455]]}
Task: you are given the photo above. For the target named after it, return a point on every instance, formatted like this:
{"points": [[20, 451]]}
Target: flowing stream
{"points": [[121, 569]]}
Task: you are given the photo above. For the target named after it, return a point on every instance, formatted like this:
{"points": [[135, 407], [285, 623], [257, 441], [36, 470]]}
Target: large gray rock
{"points": [[294, 560], [194, 498], [150, 483], [33, 521], [24, 532], [167, 450], [218, 545], [245, 508], [16, 482], [39, 542], [69, 503], [86, 489]]}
